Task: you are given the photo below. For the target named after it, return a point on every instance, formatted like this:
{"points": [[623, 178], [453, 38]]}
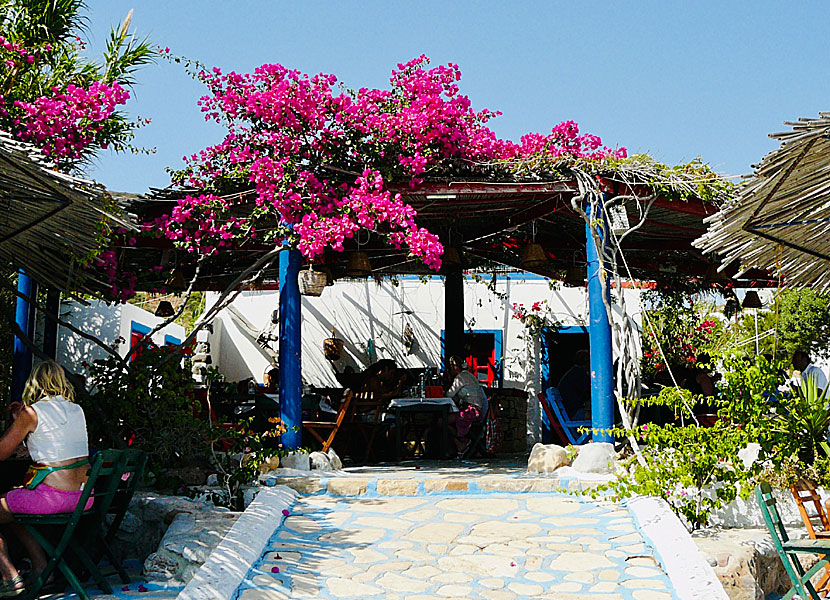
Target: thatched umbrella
{"points": [[780, 219]]}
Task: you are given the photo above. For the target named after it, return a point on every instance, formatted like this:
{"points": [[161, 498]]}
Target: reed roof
{"points": [[48, 220], [780, 219]]}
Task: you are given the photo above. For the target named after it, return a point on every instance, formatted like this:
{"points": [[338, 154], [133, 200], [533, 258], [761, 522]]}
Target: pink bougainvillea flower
{"points": [[275, 569], [512, 564], [285, 512], [126, 588], [141, 588]]}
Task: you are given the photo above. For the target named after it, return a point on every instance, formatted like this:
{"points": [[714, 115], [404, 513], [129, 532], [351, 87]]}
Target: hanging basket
{"points": [[332, 348], [311, 283]]}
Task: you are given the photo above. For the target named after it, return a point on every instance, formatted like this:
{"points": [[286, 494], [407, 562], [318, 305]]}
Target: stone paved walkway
{"points": [[497, 546]]}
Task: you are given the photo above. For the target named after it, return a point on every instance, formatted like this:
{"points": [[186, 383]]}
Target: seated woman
{"points": [[54, 428], [468, 395]]}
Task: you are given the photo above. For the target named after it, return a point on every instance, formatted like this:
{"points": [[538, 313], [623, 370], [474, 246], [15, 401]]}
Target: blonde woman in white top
{"points": [[54, 429]]}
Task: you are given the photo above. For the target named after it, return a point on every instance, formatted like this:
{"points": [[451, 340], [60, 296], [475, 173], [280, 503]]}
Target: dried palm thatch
{"points": [[49, 220], [780, 220]]}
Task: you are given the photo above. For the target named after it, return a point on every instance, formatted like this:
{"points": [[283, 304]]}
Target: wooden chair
{"points": [[788, 549], [318, 428], [81, 529], [555, 410], [815, 520], [364, 422]]}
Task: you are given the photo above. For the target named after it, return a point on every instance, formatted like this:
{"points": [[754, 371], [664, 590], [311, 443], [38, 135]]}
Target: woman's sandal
{"points": [[9, 588]]}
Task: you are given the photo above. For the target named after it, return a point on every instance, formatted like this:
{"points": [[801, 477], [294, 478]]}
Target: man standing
{"points": [[801, 361]]}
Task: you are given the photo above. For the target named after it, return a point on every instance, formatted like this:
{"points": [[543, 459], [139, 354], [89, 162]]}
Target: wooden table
{"points": [[408, 407]]}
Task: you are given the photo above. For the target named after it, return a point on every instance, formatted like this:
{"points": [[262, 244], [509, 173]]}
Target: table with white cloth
{"points": [[406, 409]]}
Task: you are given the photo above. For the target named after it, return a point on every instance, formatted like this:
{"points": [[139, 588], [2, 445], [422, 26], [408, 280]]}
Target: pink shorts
{"points": [[44, 500], [465, 419]]}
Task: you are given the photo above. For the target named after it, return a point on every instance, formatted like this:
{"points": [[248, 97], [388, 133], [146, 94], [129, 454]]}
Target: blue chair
{"points": [[552, 404]]}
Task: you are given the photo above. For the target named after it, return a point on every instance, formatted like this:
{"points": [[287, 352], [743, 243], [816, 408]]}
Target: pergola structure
{"points": [[648, 219], [578, 216]]}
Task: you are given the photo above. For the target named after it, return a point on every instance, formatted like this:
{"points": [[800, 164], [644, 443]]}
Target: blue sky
{"points": [[675, 79]]}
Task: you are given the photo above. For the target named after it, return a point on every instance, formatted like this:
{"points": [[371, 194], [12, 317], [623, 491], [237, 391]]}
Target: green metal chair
{"points": [[125, 479], [789, 549], [82, 530]]}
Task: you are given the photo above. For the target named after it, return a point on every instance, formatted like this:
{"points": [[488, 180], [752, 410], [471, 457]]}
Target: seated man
{"points": [[384, 380], [575, 388], [468, 395], [801, 361]]}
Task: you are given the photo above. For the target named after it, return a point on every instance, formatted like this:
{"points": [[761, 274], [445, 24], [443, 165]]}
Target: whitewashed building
{"points": [[404, 321]]}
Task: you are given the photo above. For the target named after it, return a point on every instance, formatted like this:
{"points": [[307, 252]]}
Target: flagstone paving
{"points": [[496, 546]]}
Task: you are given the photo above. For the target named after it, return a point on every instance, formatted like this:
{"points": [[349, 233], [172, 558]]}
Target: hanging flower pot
{"points": [[311, 283]]}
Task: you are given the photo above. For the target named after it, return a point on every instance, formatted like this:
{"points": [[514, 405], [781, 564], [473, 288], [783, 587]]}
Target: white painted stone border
{"points": [[230, 561], [692, 577]]}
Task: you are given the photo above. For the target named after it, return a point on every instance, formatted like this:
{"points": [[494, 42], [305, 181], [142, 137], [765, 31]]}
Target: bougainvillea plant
{"points": [[54, 97], [321, 157]]}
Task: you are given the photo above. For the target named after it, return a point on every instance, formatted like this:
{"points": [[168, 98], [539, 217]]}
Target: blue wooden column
{"points": [[599, 332], [291, 379], [24, 316]]}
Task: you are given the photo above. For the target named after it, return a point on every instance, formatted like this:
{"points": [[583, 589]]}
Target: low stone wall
{"points": [[745, 562], [172, 535], [512, 418]]}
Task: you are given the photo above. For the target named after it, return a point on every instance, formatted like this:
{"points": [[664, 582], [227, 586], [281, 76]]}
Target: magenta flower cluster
{"points": [[68, 121], [11, 53], [321, 157]]}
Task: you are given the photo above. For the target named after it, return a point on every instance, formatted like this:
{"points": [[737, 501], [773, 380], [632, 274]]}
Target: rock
{"points": [[745, 561], [319, 461], [249, 493], [296, 460], [336, 463], [160, 568], [596, 458], [212, 480], [546, 458]]}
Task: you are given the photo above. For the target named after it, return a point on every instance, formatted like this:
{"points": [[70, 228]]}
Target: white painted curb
{"points": [[692, 577], [228, 564]]}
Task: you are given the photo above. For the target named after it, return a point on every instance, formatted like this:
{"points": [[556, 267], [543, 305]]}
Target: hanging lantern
{"points": [[574, 277], [451, 257], [359, 265], [164, 309], [533, 257], [712, 275], [176, 280], [751, 300]]}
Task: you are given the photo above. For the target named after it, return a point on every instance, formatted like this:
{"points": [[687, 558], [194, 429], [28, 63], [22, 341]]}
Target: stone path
{"points": [[497, 546]]}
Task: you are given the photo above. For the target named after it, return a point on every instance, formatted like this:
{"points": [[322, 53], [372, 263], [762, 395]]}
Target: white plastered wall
{"points": [[109, 323]]}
